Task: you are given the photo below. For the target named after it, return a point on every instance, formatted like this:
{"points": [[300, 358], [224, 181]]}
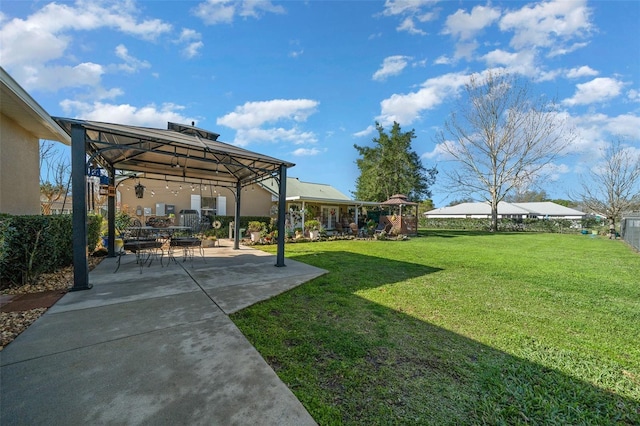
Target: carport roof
{"points": [[180, 151]]}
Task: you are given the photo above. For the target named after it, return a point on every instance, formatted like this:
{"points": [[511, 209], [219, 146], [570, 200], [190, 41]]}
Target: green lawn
{"points": [[459, 328]]}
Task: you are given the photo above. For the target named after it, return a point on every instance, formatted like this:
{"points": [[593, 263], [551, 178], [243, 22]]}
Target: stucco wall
{"points": [[255, 202], [19, 169]]}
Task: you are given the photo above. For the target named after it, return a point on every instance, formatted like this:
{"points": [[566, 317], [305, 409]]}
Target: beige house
{"points": [[22, 124], [166, 197], [308, 200], [315, 200]]}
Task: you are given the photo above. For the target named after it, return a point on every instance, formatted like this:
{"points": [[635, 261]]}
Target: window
{"points": [[208, 206]]}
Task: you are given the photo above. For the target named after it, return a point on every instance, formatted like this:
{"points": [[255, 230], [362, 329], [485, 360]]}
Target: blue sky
{"points": [[305, 81]]}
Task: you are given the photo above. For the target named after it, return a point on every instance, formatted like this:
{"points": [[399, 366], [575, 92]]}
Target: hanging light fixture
{"points": [[139, 188]]}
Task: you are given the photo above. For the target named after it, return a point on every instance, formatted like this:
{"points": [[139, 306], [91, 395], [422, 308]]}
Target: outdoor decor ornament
{"points": [[139, 188]]}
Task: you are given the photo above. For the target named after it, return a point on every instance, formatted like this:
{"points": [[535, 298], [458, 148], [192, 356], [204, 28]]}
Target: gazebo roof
{"points": [[180, 151], [398, 200]]}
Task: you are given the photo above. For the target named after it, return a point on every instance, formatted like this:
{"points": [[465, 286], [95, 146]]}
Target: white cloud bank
{"points": [[599, 89], [248, 121], [214, 12]]}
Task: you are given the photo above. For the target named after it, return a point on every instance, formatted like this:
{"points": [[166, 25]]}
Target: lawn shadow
{"points": [[351, 360]]}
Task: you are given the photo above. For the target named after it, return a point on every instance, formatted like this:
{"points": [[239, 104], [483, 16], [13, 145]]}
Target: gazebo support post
{"points": [[236, 225], [282, 208], [79, 204], [111, 213]]}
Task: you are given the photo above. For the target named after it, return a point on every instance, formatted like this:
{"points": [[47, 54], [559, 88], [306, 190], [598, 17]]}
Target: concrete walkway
{"points": [[154, 348]]}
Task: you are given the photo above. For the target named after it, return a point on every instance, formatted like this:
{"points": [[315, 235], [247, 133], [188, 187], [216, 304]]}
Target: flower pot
{"points": [[208, 243], [255, 236], [314, 234], [119, 244]]}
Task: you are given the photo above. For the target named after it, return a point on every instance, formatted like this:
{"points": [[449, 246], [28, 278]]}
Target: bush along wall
{"points": [[505, 225], [244, 222], [33, 245]]}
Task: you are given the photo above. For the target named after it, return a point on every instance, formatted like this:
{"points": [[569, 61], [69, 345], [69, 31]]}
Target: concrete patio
{"points": [[155, 347]]}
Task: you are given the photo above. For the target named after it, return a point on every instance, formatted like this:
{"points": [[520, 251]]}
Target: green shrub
{"points": [[94, 229], [225, 221], [33, 245], [312, 224], [505, 225]]}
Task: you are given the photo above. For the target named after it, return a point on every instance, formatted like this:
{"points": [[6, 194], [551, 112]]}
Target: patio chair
{"points": [[188, 246], [382, 228], [142, 245], [339, 228]]}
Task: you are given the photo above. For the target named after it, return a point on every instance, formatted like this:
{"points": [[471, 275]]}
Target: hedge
{"points": [[507, 225], [244, 222]]}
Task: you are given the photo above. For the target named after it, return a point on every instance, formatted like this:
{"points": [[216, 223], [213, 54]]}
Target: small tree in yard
{"points": [[613, 185], [501, 138]]}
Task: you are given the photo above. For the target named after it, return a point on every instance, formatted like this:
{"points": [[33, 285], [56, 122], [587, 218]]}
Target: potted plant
{"points": [[313, 226], [210, 237], [255, 228]]}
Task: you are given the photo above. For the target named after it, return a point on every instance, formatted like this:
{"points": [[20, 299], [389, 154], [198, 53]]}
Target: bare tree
{"points": [[613, 186], [501, 137], [54, 175]]}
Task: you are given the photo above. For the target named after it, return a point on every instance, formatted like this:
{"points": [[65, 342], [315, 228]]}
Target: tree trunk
{"points": [[494, 217]]}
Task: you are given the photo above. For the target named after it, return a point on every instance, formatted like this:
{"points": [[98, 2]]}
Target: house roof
{"points": [[549, 208], [541, 209], [18, 105], [298, 190], [181, 151]]}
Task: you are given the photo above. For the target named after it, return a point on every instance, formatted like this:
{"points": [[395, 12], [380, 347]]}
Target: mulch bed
{"points": [[26, 302]]}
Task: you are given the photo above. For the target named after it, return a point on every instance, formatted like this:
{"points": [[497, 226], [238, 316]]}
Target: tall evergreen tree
{"points": [[391, 167]]}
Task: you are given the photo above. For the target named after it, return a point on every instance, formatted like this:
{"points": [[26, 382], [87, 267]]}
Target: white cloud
{"points": [[29, 44], [441, 152], [547, 24], [214, 12], [295, 136], [306, 152], [625, 125], [255, 114], [297, 49], [366, 132], [521, 62], [594, 130], [465, 50], [401, 7], [442, 60], [597, 90], [54, 78], [406, 108], [410, 11], [392, 65], [149, 115], [192, 41], [464, 26], [192, 49], [633, 95], [409, 26], [131, 64], [583, 71], [248, 121]]}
